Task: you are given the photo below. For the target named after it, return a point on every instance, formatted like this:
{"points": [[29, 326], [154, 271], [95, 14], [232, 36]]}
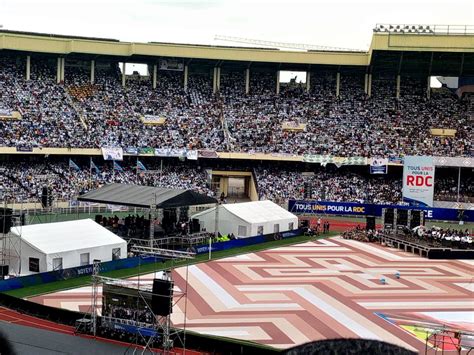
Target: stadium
{"points": [[204, 204]]}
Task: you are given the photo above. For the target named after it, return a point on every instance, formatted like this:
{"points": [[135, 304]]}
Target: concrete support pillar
{"points": [[277, 82], [338, 83], [28, 67], [124, 77], [185, 83], [58, 71], [214, 80], [428, 88], [369, 85], [366, 83], [63, 66], [218, 80], [308, 81], [92, 71], [247, 81], [397, 95], [155, 75]]}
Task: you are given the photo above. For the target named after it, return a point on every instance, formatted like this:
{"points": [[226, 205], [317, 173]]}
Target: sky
{"points": [[336, 23], [346, 24]]}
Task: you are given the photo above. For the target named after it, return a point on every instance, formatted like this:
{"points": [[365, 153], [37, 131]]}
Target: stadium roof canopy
{"points": [[445, 51], [145, 196]]}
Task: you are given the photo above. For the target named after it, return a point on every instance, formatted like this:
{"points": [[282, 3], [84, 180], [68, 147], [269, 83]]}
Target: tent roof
{"points": [[58, 237], [255, 211], [145, 196]]}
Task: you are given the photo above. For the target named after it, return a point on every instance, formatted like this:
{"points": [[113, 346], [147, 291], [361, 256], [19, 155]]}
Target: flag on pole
{"points": [[117, 166], [93, 166], [140, 166], [73, 165]]}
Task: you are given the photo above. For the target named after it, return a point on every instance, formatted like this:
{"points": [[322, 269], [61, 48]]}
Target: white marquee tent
{"points": [[54, 246], [248, 219]]}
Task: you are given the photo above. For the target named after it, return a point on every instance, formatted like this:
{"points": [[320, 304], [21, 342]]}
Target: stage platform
{"points": [[323, 289], [424, 250]]}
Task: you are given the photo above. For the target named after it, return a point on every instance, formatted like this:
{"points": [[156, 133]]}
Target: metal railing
{"points": [[424, 29]]}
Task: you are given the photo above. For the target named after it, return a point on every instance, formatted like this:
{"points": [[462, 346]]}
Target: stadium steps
{"points": [[76, 110]]}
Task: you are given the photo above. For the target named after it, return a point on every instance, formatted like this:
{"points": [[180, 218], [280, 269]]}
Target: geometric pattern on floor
{"points": [[323, 289]]}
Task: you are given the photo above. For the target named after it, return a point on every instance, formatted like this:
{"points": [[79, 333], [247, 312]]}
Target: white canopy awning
{"points": [[59, 237]]}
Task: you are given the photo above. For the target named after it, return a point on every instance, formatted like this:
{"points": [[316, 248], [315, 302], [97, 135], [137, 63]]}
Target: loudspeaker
{"points": [[3, 270], [5, 220], [195, 227], [50, 196], [417, 218], [44, 196], [304, 223], [307, 190], [162, 297], [370, 223], [169, 219], [98, 218], [402, 218], [184, 213], [388, 215]]}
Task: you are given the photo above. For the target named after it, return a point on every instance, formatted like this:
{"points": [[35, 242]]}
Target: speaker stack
{"points": [[388, 217], [3, 271], [5, 220], [195, 227], [162, 297], [416, 218], [370, 223], [307, 190], [401, 218], [46, 196]]}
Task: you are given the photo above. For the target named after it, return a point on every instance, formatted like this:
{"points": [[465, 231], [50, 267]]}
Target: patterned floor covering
{"points": [[317, 290]]}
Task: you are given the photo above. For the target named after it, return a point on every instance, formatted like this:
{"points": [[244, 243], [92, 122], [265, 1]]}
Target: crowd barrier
{"points": [[365, 209], [53, 314]]}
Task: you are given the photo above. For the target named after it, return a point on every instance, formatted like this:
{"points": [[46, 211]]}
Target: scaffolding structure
{"points": [[442, 338], [160, 330], [10, 244]]}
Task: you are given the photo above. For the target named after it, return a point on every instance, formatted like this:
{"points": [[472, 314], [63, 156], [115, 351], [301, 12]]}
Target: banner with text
{"points": [[338, 161], [366, 209], [171, 64], [378, 165], [112, 153], [418, 180]]}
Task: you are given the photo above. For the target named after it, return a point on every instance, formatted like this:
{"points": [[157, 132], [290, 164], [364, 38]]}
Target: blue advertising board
{"points": [[237, 243], [366, 209], [65, 274]]}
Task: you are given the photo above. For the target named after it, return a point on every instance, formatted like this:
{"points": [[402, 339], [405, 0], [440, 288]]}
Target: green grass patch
{"points": [[148, 268]]}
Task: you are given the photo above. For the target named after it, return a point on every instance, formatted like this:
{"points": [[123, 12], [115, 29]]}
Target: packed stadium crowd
{"points": [[141, 315], [437, 237], [362, 235], [22, 181], [76, 113], [330, 186]]}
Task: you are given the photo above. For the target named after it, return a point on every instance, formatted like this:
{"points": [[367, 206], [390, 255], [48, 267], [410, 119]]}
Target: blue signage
{"points": [[366, 209]]}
